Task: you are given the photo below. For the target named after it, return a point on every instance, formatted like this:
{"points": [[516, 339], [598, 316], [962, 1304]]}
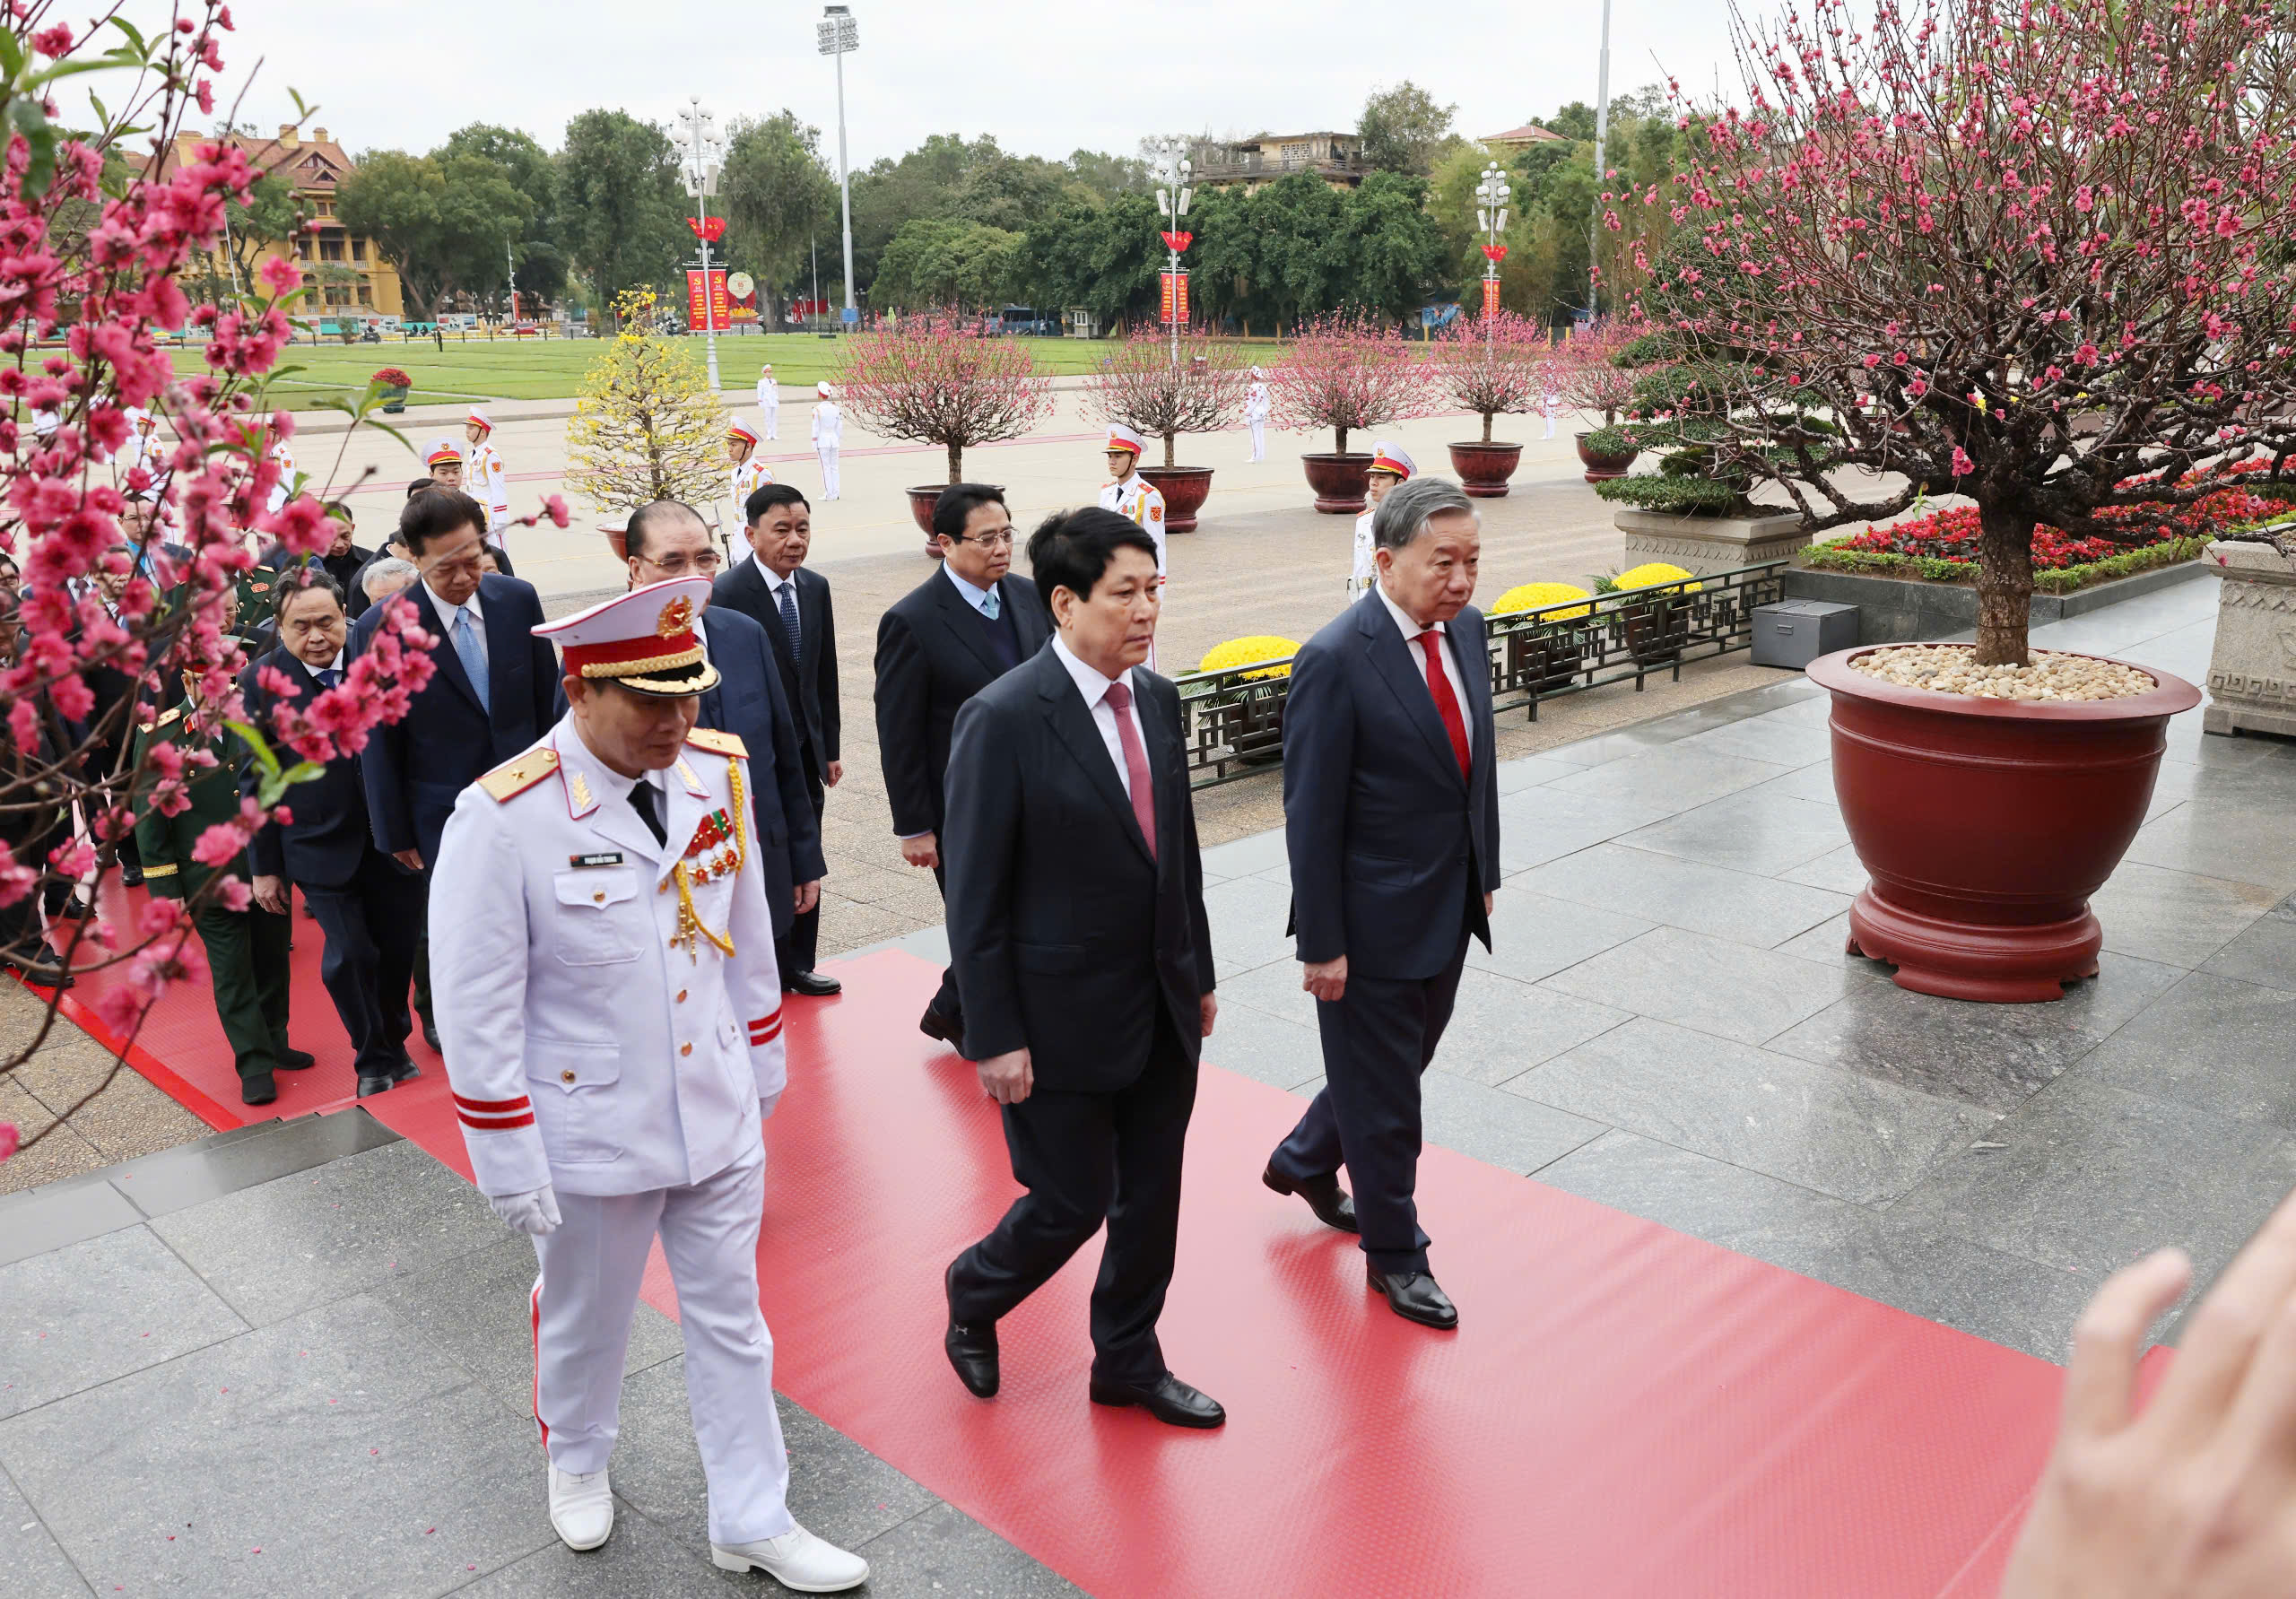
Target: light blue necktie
{"points": [[988, 606], [473, 658]]}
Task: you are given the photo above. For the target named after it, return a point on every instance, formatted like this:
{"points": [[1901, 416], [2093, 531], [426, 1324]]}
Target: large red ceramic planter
{"points": [[1185, 490], [1483, 468], [1340, 482], [1600, 467], [922, 498], [1985, 824]]}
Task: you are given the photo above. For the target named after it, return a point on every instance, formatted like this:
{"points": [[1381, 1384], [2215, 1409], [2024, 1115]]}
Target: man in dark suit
{"points": [[368, 907], [773, 589], [1084, 957], [491, 697], [1391, 820], [669, 540], [942, 643]]}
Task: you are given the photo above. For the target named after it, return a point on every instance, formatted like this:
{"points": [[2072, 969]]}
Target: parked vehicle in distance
{"points": [[1024, 321]]}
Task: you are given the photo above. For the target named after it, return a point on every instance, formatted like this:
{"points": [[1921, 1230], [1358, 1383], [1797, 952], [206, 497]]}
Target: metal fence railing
{"points": [[1235, 717]]}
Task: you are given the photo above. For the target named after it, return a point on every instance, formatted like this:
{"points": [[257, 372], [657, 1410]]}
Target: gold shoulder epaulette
{"points": [[719, 743], [165, 717], [520, 773]]}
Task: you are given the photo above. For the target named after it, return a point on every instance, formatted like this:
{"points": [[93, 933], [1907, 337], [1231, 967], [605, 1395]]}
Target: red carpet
{"points": [[1627, 1411]]}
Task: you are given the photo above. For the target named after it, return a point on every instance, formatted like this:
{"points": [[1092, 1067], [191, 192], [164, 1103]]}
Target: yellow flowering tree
{"points": [[647, 426]]}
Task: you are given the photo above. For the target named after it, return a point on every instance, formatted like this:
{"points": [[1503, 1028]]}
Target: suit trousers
{"points": [[372, 925], [592, 1265], [1086, 1157], [798, 949], [248, 961], [1378, 1038], [946, 1000]]}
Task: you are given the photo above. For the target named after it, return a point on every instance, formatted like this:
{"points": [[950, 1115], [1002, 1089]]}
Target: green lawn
{"points": [[535, 370]]}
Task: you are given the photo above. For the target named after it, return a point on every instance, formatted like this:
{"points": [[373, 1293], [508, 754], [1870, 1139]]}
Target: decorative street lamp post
{"points": [[1171, 171], [1491, 216], [701, 152], [837, 35]]}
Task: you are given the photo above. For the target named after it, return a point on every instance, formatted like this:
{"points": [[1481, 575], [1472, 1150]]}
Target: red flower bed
{"points": [[1951, 535], [391, 377]]}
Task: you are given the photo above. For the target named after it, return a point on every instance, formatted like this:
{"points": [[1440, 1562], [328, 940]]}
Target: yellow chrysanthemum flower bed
{"points": [[1531, 596], [1243, 652], [1655, 574]]}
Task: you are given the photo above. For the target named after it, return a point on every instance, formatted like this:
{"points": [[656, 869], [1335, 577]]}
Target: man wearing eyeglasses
{"points": [[668, 539], [945, 640]]}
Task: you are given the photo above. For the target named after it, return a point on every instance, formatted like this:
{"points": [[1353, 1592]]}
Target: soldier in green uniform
{"points": [[246, 950]]}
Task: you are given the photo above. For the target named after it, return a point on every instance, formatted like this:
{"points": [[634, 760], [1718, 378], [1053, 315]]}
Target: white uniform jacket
{"points": [[1256, 402], [769, 398], [1138, 499], [748, 477], [829, 426], [483, 478], [1366, 565], [585, 1046]]}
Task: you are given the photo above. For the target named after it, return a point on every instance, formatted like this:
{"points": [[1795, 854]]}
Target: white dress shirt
{"points": [[774, 584], [1449, 654], [446, 615], [975, 596], [1095, 690]]}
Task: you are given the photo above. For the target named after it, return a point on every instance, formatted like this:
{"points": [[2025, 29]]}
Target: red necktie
{"points": [[1447, 704], [1136, 764]]}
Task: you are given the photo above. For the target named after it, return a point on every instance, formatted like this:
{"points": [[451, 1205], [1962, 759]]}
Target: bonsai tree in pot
{"points": [[1346, 373], [2038, 258], [1492, 366], [646, 425], [1588, 376], [1141, 384], [933, 379]]}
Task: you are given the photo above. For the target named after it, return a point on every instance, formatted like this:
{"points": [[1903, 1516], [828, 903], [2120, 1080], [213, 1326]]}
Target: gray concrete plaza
{"points": [[311, 1339]]}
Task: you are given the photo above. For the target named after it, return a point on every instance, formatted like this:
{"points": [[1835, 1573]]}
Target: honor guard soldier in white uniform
{"points": [[829, 436], [769, 401], [602, 960], [750, 470], [1255, 413], [1134, 496], [483, 473], [1390, 467], [444, 458], [279, 452]]}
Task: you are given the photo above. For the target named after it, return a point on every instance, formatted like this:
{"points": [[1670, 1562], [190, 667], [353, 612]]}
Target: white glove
{"points": [[765, 1104], [534, 1212]]}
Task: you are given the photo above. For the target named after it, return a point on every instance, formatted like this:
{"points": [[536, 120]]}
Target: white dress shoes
{"points": [[796, 1559], [581, 1508]]}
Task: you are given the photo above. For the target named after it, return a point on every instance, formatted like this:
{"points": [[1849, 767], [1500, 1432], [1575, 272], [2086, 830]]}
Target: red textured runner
{"points": [[1626, 1411]]}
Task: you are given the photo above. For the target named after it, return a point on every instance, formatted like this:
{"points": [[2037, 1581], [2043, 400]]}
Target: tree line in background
{"points": [[965, 223]]}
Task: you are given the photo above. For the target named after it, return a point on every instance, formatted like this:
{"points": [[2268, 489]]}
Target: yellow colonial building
{"points": [[342, 272]]}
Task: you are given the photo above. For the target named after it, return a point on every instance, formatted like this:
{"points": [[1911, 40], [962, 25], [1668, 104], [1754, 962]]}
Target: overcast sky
{"points": [[1045, 76]]}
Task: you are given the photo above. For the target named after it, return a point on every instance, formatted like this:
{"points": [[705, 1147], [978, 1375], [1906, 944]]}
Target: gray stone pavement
{"points": [[311, 1341]]}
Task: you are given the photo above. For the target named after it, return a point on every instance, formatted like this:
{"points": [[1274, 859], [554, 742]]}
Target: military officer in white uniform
{"points": [[1131, 495], [279, 452], [602, 961], [1390, 467], [769, 401], [483, 476], [829, 438], [750, 470], [1255, 413]]}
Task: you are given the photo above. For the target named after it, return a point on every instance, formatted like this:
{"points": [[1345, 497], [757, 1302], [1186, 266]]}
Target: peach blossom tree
{"points": [[934, 378], [2033, 253], [1349, 373], [1494, 366], [1140, 384]]}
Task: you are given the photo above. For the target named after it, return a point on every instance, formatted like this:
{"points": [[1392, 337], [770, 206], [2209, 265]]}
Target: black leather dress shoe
{"points": [[297, 1060], [1324, 1195], [257, 1091], [131, 877], [430, 1034], [46, 970], [380, 1083], [972, 1349], [812, 984], [935, 1024], [1414, 1297], [407, 1071], [1167, 1399]]}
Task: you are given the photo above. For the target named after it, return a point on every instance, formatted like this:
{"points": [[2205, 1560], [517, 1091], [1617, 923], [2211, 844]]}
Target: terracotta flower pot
{"points": [[1339, 480], [1985, 824], [617, 539], [1600, 466], [1483, 469], [1184, 489], [922, 498]]}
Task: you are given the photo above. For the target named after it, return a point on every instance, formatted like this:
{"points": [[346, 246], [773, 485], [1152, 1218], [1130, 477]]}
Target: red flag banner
{"points": [[1178, 241], [1489, 297], [711, 229], [708, 308], [1494, 252], [1175, 296]]}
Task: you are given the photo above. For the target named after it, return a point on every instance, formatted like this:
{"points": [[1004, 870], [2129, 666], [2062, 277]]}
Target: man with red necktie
{"points": [[1391, 822]]}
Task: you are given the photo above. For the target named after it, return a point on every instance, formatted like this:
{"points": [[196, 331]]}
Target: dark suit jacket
{"points": [[417, 767], [809, 677], [329, 836], [748, 701], [1067, 935], [1391, 849], [931, 659]]}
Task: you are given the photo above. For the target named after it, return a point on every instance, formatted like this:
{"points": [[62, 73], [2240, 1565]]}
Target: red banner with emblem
{"points": [[1175, 301], [707, 309], [1489, 297]]}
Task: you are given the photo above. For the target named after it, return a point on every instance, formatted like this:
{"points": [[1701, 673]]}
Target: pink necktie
{"points": [[1136, 764]]}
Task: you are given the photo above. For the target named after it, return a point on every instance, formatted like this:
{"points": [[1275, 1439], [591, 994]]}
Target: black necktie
{"points": [[647, 803], [789, 606], [327, 676]]}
